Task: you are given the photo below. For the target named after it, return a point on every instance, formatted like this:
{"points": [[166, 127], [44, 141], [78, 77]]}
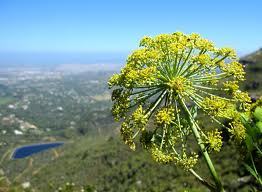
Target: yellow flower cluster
{"points": [[159, 156], [204, 60], [170, 73], [127, 135], [162, 39], [219, 107], [226, 51], [202, 44], [141, 57], [237, 130], [146, 42], [214, 140], [178, 85], [176, 43], [214, 105], [147, 75], [244, 100], [165, 116], [139, 118], [187, 162], [231, 86], [184, 161], [121, 105], [242, 96], [114, 80], [135, 77], [234, 68]]}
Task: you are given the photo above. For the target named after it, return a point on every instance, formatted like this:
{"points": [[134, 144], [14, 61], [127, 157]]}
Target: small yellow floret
{"points": [[214, 139], [165, 116], [237, 130], [178, 84]]}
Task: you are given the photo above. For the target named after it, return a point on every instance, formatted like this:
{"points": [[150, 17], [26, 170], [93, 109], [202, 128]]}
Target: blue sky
{"points": [[77, 30]]}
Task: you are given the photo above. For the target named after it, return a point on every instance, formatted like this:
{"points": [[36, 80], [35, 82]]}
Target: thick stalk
{"points": [[209, 163]]}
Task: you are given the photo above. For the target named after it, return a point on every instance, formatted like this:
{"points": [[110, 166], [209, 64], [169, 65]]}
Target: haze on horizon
{"points": [[46, 32]]}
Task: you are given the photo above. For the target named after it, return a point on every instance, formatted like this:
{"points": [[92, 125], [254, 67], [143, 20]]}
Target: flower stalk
{"points": [[202, 147]]}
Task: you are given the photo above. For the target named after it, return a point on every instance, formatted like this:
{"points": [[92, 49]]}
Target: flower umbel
{"points": [[161, 79], [238, 131]]}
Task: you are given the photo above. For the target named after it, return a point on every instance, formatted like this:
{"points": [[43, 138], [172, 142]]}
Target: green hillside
{"points": [[106, 164]]}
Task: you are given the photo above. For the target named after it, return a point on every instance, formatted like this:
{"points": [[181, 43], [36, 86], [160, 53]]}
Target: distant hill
{"points": [[253, 67], [255, 57]]}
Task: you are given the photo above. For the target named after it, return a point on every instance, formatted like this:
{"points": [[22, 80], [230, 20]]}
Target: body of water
{"points": [[28, 150]]}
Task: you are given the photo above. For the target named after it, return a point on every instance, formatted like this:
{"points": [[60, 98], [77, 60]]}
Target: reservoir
{"points": [[28, 150]]}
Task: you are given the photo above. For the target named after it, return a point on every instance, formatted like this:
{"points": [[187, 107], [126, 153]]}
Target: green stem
{"points": [[208, 88], [145, 90], [175, 69], [155, 104], [210, 77], [209, 163], [221, 59], [144, 97], [198, 177], [201, 180], [182, 66], [254, 167], [163, 137]]}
